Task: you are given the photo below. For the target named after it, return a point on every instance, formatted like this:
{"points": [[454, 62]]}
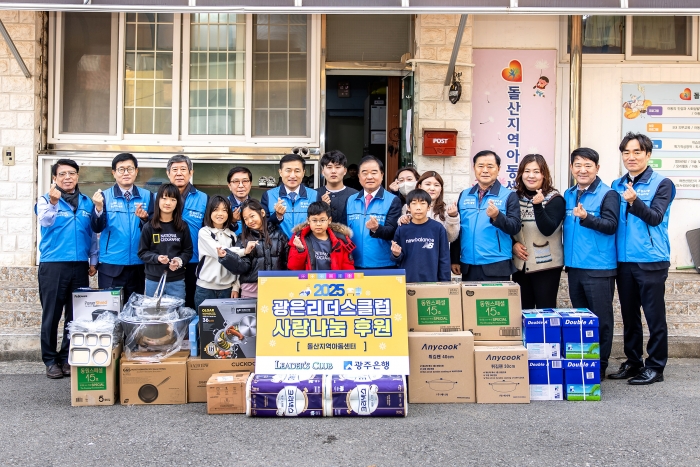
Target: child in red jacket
{"points": [[319, 244]]}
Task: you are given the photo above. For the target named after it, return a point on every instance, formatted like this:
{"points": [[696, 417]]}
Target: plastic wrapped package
{"points": [[144, 307], [105, 323]]}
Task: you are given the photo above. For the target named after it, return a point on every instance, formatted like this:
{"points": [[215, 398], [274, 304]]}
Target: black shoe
{"points": [[54, 371], [626, 371], [647, 376], [65, 368], [602, 375]]}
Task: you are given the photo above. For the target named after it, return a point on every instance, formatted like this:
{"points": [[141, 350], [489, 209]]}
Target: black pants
{"points": [[57, 281], [132, 279], [190, 284], [639, 288], [596, 294], [475, 273], [538, 289]]}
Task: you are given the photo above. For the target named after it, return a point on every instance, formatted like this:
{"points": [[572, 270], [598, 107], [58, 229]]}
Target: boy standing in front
{"points": [[421, 246]]}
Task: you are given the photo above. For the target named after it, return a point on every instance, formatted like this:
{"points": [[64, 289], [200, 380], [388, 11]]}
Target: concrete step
{"points": [[20, 315], [19, 292]]}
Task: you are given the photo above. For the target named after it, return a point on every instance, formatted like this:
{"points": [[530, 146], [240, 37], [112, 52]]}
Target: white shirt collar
{"points": [[374, 193]]}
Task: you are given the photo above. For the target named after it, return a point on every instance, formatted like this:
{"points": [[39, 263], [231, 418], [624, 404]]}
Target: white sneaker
{"points": [[262, 182]]}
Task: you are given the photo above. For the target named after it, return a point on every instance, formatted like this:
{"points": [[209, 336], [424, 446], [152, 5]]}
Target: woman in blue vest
{"points": [[67, 243]]}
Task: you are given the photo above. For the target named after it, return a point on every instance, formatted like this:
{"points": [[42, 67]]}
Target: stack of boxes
{"points": [[542, 338], [581, 351]]}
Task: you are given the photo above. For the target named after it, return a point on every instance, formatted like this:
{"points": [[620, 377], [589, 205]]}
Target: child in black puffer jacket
{"points": [[262, 246]]}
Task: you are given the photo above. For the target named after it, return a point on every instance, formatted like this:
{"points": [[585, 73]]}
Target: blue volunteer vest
{"points": [[296, 212], [585, 248], [637, 241], [481, 242], [68, 239], [369, 252], [193, 214], [119, 241]]}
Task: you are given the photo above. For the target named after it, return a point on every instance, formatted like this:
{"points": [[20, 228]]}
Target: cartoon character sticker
{"points": [[542, 83], [636, 106]]}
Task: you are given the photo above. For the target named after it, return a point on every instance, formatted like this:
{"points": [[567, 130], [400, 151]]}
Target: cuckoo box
{"points": [[546, 380], [439, 142], [491, 310], [228, 328], [501, 375], [199, 371], [542, 335], [433, 307], [579, 334], [87, 300], [582, 380], [442, 367]]}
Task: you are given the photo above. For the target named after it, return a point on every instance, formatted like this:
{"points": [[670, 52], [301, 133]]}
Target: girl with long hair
{"points": [[447, 215]]}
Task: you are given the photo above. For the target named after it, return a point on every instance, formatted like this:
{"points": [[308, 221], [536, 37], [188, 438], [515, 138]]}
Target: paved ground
{"points": [[646, 426]]}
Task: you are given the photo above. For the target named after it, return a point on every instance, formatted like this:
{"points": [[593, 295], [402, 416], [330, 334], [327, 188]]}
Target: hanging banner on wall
{"points": [[513, 106], [670, 115], [332, 322]]}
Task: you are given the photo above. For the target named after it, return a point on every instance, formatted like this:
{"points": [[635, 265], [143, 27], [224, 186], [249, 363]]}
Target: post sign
{"points": [[331, 322]]}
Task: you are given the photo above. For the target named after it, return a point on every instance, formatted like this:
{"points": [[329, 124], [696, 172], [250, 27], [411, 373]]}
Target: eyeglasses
{"points": [[71, 173], [318, 221], [178, 170], [123, 170], [239, 182]]}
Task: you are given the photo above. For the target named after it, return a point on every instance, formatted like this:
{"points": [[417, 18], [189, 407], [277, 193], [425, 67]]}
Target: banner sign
{"points": [[514, 106], [331, 322], [670, 115]]}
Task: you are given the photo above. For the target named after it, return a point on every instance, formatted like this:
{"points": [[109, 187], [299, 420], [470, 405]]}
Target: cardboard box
{"points": [[194, 337], [502, 375], [434, 307], [199, 371], [87, 300], [154, 383], [228, 328], [582, 380], [546, 380], [579, 334], [497, 343], [226, 393], [91, 385], [441, 366], [542, 335], [492, 311]]}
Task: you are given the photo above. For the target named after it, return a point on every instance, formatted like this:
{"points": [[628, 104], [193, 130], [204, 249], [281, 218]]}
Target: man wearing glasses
{"points": [[68, 253], [239, 182], [119, 213]]}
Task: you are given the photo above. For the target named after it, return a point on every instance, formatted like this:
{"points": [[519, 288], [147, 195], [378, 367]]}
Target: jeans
{"points": [[174, 289], [202, 294]]}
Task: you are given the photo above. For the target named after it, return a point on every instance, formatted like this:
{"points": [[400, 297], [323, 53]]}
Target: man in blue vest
{"points": [[490, 215], [373, 215], [180, 173], [592, 213], [290, 201], [119, 213], [68, 254], [643, 259], [239, 181]]}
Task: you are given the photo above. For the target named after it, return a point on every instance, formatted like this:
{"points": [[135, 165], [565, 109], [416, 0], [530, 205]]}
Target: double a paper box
{"points": [[200, 370], [501, 375], [491, 310], [441, 366], [87, 300], [546, 380], [228, 328], [92, 385], [434, 307], [582, 380], [579, 334], [226, 393], [542, 335], [154, 383]]}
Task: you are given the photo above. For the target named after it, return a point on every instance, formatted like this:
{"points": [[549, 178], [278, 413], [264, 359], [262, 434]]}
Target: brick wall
{"points": [[435, 37], [19, 127]]}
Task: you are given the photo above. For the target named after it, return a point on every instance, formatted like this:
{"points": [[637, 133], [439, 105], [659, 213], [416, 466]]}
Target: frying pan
{"points": [[441, 384], [149, 393]]}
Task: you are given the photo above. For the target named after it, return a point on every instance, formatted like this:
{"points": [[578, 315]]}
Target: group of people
{"points": [[213, 247]]}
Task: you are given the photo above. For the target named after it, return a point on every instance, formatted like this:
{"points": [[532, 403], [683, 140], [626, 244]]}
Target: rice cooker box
{"points": [[442, 367], [502, 375], [433, 307], [542, 334], [228, 328], [87, 300], [143, 383], [200, 370], [492, 311], [95, 385]]}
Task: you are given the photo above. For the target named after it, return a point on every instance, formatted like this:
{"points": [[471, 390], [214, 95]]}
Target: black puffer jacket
{"points": [[262, 258]]}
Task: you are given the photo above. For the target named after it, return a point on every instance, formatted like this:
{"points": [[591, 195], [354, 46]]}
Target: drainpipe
{"points": [[575, 56]]}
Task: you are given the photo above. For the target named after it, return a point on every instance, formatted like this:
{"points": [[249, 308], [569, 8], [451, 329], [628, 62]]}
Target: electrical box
{"points": [[8, 155], [439, 142]]}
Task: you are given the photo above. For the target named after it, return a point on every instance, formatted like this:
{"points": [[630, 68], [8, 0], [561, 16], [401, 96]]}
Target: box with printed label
{"points": [[87, 300], [200, 370], [497, 343], [154, 383], [546, 380], [226, 393], [582, 380], [501, 375], [434, 306], [542, 335], [579, 335], [491, 310], [228, 328], [441, 367], [92, 385]]}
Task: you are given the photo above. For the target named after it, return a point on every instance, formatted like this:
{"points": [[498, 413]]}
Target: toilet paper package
{"points": [[290, 395], [365, 396]]}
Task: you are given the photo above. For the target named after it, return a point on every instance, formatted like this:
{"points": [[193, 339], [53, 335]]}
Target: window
{"points": [[661, 35]]}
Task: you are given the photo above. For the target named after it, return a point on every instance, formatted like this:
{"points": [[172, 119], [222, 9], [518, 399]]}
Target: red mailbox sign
{"points": [[439, 142]]}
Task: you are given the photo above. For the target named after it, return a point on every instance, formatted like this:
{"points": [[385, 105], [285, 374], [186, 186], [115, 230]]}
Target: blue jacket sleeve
{"points": [[609, 215], [272, 216], [444, 264], [654, 213], [510, 222], [386, 231], [99, 223]]}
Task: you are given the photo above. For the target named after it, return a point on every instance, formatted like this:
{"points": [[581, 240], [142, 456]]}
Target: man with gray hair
{"points": [[194, 203]]}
